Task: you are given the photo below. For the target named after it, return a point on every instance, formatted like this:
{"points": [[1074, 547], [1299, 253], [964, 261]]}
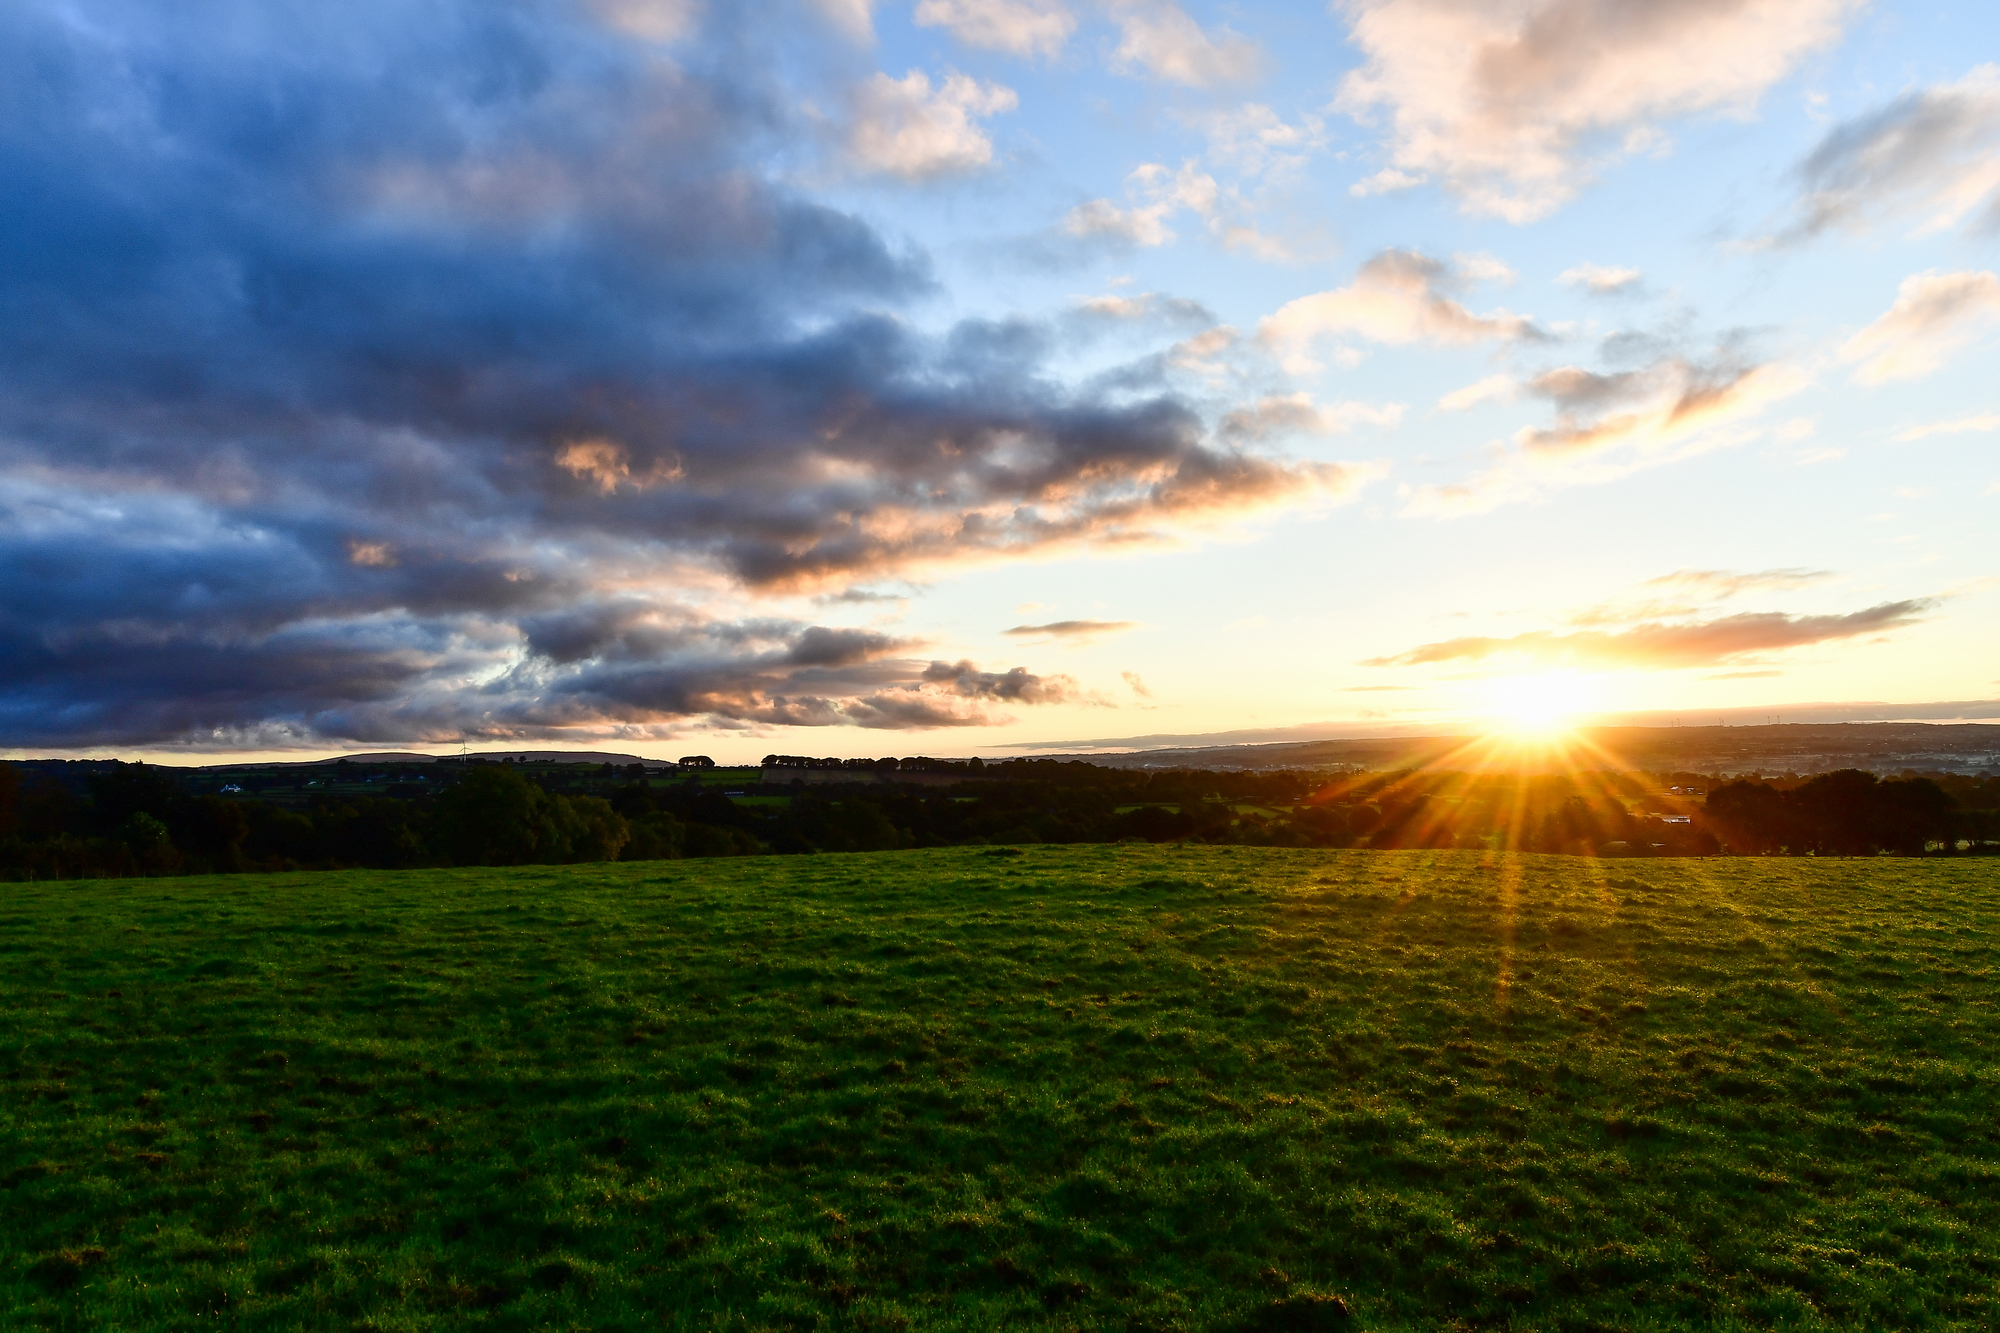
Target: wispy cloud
{"points": [[1071, 629], [1686, 591], [1017, 27], [852, 19], [1491, 389], [1157, 194], [1599, 410], [1298, 414], [1602, 280], [1609, 423], [1157, 38], [1933, 154], [1934, 315], [1254, 140], [1657, 646], [1985, 421]]}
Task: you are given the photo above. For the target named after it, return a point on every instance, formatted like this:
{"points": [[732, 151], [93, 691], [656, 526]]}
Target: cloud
{"points": [[1609, 423], [1599, 280], [1660, 646], [1514, 107], [608, 466], [1254, 140], [1725, 583], [1389, 180], [1071, 629], [820, 677], [1014, 686], [1017, 27], [663, 21], [853, 19], [1163, 193], [1298, 414], [1934, 315], [1988, 421], [904, 127], [1492, 389], [1145, 225], [1138, 686], [1672, 397], [373, 555], [496, 384], [1934, 153], [1156, 37], [1397, 297], [1147, 308], [1686, 591]]}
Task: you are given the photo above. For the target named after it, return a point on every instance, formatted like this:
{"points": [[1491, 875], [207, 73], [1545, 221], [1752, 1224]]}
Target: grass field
{"points": [[1127, 1088]]}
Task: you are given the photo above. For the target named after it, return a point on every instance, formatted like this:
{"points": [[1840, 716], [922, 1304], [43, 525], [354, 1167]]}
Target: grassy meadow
{"points": [[1098, 1087]]}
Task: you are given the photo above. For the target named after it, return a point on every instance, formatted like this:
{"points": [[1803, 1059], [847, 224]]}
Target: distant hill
{"points": [[492, 756], [1812, 747]]}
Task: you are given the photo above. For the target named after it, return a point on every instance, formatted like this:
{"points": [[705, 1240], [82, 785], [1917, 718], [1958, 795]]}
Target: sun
{"points": [[1540, 705]]}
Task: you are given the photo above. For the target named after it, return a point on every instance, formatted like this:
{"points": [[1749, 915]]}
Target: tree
{"points": [[495, 817], [1750, 817]]}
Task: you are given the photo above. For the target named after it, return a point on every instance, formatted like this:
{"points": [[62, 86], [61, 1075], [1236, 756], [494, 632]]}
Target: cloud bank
{"points": [[393, 374]]}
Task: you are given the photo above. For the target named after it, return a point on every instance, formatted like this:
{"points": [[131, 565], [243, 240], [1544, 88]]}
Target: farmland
{"points": [[1095, 1087]]}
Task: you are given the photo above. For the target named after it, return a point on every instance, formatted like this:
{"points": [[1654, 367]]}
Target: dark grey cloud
{"points": [[380, 372], [1015, 685]]}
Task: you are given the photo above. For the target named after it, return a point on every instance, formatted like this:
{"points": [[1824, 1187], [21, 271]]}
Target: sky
{"points": [[976, 376]]}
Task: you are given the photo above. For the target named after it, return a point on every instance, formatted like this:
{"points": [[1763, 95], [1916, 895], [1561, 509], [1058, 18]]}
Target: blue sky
{"points": [[864, 379]]}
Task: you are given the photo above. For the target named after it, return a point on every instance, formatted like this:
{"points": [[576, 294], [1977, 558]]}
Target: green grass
{"points": [[1121, 1088]]}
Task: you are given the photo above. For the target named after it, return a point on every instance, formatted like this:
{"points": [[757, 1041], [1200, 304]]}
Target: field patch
{"points": [[1099, 1087]]}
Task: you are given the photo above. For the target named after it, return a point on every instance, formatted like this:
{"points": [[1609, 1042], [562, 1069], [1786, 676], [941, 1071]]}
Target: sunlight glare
{"points": [[1542, 704]]}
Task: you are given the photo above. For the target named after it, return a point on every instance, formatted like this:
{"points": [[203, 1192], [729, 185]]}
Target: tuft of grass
{"points": [[1101, 1087]]}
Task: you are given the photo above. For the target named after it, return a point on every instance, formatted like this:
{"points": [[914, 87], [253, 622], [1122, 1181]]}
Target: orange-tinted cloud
{"points": [[1684, 591], [1609, 423], [1070, 629], [1934, 315], [1659, 646]]}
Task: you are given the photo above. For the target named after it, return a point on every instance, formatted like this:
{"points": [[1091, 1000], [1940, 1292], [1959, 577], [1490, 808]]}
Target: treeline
{"points": [[915, 764], [135, 819], [1849, 813]]}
